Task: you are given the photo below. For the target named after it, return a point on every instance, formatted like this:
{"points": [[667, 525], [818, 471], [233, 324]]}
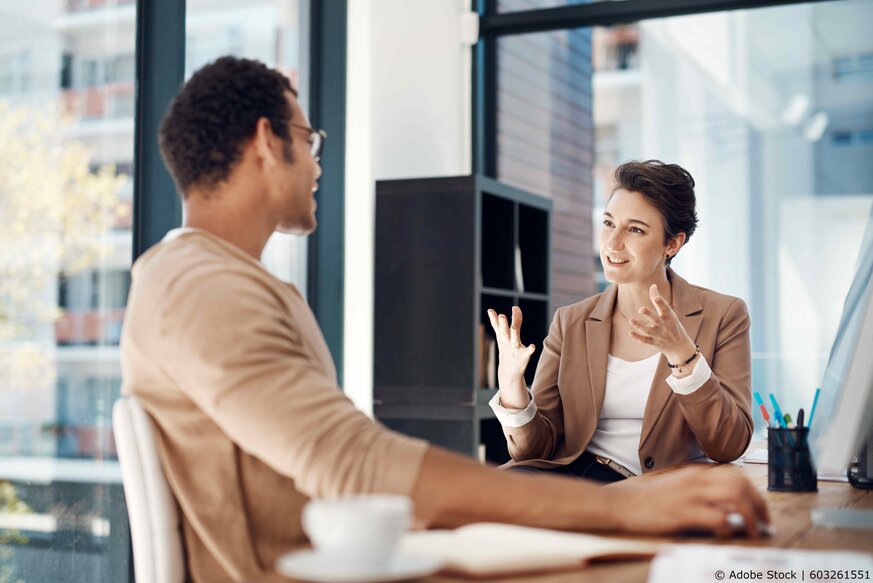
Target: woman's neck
{"points": [[632, 296]]}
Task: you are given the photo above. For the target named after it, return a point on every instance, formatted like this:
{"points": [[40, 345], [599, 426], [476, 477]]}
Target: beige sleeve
{"points": [[231, 345], [720, 411]]}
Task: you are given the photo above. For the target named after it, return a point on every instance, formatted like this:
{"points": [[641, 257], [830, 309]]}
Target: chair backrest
{"points": [[158, 555]]}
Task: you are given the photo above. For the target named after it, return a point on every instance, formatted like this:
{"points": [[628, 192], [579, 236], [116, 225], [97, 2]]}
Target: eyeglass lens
{"points": [[315, 146]]}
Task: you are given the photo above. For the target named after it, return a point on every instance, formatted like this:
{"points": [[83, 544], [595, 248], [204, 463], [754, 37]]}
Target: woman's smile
{"points": [[616, 260]]}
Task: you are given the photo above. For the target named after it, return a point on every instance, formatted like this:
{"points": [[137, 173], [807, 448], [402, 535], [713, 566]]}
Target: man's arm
{"points": [[230, 350], [231, 346], [453, 490]]}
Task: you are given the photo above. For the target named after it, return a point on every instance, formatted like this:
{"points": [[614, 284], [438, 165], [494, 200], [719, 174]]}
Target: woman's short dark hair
{"points": [[670, 189], [216, 113]]}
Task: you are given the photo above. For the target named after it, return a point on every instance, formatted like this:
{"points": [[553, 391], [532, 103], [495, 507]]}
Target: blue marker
{"points": [[779, 417], [758, 398], [814, 403]]}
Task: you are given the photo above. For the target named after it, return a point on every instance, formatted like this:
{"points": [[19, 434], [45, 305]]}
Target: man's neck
{"points": [[244, 226]]}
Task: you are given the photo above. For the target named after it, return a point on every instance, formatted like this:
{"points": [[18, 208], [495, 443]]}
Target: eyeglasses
{"points": [[316, 139]]}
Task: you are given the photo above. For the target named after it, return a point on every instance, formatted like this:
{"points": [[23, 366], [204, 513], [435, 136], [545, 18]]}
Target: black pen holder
{"points": [[789, 465]]}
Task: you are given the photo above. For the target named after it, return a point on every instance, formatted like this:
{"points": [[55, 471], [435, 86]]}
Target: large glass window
{"points": [[269, 31], [769, 110], [545, 138], [67, 96], [66, 151]]}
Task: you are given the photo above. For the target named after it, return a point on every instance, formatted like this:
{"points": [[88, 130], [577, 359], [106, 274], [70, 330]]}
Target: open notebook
{"points": [[486, 550]]}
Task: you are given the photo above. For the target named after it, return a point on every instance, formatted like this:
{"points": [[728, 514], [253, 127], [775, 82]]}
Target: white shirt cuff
{"points": [[687, 385], [513, 417]]}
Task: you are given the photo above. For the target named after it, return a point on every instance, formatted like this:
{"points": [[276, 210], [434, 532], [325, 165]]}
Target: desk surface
{"points": [[790, 515]]}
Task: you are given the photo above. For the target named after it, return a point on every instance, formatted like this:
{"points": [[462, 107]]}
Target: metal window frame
{"points": [[493, 25], [327, 108], [160, 71], [485, 95]]}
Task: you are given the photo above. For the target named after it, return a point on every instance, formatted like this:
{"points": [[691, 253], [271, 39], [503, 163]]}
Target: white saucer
{"points": [[310, 566]]}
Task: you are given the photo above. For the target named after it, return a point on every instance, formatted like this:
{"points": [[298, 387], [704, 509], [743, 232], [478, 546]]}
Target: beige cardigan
{"points": [[570, 384], [231, 365]]}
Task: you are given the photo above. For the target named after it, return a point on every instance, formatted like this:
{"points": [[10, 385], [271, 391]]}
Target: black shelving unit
{"points": [[447, 249]]}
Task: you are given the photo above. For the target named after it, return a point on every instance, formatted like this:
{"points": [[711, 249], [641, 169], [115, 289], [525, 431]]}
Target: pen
{"points": [[800, 418], [764, 412], [788, 419], [780, 418], [814, 403]]}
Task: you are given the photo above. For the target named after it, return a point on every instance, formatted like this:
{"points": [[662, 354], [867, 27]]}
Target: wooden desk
{"points": [[790, 515]]}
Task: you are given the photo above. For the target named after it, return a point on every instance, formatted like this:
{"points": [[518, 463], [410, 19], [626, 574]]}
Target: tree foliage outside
{"points": [[55, 208], [9, 504]]}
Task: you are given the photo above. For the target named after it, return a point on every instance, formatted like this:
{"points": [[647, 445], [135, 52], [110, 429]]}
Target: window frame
{"points": [[494, 25], [160, 71]]}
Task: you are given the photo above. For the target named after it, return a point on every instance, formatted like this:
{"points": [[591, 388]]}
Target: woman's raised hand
{"points": [[513, 359], [662, 328]]}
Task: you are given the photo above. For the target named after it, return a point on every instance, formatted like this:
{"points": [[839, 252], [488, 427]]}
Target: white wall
{"points": [[407, 115]]}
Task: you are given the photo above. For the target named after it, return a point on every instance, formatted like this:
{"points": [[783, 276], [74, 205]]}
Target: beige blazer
{"points": [[570, 384]]}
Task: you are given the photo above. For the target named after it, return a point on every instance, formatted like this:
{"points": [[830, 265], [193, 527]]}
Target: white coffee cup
{"points": [[360, 531]]}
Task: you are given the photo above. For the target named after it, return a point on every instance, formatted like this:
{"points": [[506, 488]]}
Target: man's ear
{"points": [[676, 243], [265, 142]]}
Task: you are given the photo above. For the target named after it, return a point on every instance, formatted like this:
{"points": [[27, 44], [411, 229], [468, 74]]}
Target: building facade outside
{"points": [[67, 75]]}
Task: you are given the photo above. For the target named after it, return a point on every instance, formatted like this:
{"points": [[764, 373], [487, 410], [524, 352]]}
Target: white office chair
{"points": [[154, 517]]}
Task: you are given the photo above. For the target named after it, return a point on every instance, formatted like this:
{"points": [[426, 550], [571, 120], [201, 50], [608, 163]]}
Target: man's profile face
{"points": [[295, 181]]}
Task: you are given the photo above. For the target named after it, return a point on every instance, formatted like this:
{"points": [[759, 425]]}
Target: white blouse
{"points": [[617, 435]]}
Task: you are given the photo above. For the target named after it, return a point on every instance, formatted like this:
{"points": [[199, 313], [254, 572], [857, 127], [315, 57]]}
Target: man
{"points": [[231, 365]]}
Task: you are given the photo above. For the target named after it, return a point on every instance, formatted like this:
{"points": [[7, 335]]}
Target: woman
{"points": [[651, 372]]}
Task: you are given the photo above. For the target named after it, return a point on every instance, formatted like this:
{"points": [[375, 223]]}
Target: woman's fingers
{"points": [[649, 332], [492, 317], [647, 328], [516, 319], [659, 302], [503, 325], [641, 337], [514, 340], [649, 315], [501, 328]]}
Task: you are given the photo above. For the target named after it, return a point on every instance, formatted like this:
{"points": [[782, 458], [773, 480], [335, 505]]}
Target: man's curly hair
{"points": [[216, 112]]}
